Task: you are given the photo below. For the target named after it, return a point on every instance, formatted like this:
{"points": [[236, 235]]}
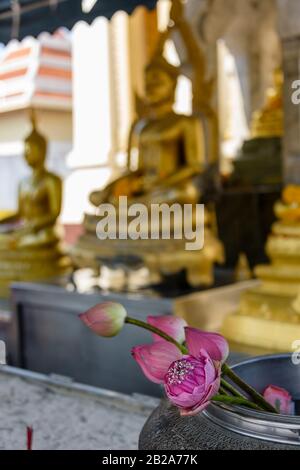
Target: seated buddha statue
{"points": [[30, 238], [169, 147], [259, 160], [166, 157], [269, 314]]}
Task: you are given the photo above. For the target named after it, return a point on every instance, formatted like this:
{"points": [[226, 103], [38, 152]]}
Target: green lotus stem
{"points": [[256, 397], [235, 401], [157, 331], [229, 388]]}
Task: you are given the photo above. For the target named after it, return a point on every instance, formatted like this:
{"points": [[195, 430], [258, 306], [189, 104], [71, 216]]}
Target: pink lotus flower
{"points": [[105, 319], [191, 380], [280, 399], [173, 326]]}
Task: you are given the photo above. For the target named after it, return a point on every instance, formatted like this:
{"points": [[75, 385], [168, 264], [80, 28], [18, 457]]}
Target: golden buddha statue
{"points": [[169, 147], [269, 315], [29, 239], [167, 153], [268, 122]]}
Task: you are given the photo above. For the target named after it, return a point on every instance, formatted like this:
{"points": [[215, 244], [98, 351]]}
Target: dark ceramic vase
{"points": [[221, 427]]}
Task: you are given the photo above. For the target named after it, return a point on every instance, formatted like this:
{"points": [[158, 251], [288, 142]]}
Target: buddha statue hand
{"points": [[16, 237], [97, 197], [129, 184], [9, 241]]}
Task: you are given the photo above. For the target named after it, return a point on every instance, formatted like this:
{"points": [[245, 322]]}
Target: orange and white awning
{"points": [[37, 73]]}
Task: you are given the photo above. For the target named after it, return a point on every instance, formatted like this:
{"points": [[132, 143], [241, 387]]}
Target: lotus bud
{"points": [[105, 319]]}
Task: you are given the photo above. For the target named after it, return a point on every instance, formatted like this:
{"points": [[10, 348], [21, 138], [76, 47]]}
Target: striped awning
{"points": [[37, 73], [21, 18]]}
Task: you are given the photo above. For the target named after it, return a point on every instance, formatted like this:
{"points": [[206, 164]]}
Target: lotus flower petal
{"points": [[155, 359], [169, 324], [213, 343]]}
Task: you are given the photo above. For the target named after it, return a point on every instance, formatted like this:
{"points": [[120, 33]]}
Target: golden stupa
{"points": [[169, 151], [30, 248], [268, 121], [269, 315]]}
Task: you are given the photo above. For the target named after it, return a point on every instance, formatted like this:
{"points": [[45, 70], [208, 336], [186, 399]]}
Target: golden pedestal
{"points": [[161, 257], [264, 320], [269, 315], [38, 264]]}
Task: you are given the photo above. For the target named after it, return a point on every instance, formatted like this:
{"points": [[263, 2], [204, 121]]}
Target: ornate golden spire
{"points": [[242, 270], [268, 122]]}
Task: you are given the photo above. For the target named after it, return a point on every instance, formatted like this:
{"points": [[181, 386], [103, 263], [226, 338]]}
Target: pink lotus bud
{"points": [[169, 324], [191, 382], [280, 399], [105, 319]]}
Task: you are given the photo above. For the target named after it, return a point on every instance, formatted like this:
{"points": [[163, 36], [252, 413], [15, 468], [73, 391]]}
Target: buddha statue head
{"points": [[35, 147], [161, 81]]}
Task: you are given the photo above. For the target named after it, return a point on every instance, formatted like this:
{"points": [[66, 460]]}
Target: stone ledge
{"points": [[66, 415]]}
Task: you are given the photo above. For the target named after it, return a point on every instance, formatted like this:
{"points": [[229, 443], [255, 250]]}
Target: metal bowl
{"points": [[260, 372]]}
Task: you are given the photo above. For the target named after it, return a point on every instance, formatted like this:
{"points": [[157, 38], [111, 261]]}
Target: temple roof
{"points": [[37, 73]]}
